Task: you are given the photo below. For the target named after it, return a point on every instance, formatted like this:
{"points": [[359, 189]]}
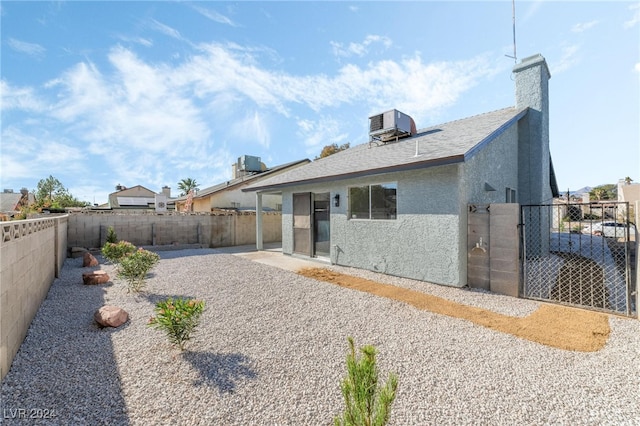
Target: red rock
{"points": [[111, 316], [95, 277], [89, 260]]}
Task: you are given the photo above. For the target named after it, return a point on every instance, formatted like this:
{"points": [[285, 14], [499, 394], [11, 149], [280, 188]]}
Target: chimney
{"points": [[534, 161], [166, 191]]}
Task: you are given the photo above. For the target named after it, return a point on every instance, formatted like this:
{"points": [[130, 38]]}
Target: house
{"points": [[399, 204], [11, 202], [140, 198], [629, 192], [229, 194]]}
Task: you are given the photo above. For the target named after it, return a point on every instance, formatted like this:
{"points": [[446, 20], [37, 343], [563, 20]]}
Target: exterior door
{"points": [[321, 221], [302, 223]]}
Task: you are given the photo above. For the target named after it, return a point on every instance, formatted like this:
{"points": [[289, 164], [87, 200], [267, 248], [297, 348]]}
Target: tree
{"points": [[332, 149], [51, 192], [604, 192], [186, 185]]}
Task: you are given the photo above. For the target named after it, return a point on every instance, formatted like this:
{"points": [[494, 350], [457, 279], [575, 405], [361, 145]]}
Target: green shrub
{"points": [[135, 267], [366, 402], [177, 318], [111, 235], [115, 252]]}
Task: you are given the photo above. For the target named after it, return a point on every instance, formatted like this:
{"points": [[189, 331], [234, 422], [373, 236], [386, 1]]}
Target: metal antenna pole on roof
{"points": [[513, 12]]}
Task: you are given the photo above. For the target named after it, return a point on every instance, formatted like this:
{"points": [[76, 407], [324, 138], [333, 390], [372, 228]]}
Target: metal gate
{"points": [[580, 254]]}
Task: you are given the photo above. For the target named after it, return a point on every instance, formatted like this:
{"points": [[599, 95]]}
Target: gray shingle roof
{"points": [[243, 179], [445, 143], [9, 201]]}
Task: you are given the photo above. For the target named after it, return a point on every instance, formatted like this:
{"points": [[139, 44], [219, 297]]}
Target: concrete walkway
{"points": [[272, 255]]}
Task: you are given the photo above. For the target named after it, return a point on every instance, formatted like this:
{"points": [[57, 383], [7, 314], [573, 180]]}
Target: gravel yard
{"points": [[271, 347]]}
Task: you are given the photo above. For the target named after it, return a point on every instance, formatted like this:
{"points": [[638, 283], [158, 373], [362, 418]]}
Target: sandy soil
{"points": [[552, 325]]}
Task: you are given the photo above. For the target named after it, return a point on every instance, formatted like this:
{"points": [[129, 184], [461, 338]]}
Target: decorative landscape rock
{"points": [[78, 252], [89, 260], [95, 277], [111, 316]]}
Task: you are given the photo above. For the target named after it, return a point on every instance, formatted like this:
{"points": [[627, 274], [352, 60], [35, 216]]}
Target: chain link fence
{"points": [[580, 254]]}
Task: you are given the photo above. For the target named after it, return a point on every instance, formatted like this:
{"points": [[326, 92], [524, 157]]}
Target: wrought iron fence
{"points": [[580, 254]]}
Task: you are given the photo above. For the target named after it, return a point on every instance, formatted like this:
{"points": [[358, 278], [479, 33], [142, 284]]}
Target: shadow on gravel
{"points": [[65, 371], [222, 371], [173, 254]]}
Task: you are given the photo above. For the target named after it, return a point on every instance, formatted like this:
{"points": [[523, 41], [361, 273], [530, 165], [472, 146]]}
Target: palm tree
{"points": [[186, 185]]}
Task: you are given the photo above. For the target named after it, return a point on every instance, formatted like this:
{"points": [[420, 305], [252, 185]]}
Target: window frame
{"points": [[370, 212]]}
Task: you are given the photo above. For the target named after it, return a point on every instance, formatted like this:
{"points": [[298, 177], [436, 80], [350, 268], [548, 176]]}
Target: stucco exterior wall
{"points": [[422, 243], [497, 165], [532, 90]]}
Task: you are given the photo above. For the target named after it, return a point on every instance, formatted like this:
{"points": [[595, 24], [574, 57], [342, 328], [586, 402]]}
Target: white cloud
{"points": [[137, 40], [20, 98], [318, 133], [42, 153], [583, 26], [156, 123], [637, 67], [530, 12], [165, 29], [359, 49], [214, 15], [252, 127], [635, 19], [31, 49], [569, 59], [409, 83]]}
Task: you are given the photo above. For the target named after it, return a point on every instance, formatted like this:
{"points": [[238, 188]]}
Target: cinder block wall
{"points": [[31, 255], [216, 229]]}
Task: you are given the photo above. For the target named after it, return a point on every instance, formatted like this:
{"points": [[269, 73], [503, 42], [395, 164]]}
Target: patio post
{"points": [[259, 220]]}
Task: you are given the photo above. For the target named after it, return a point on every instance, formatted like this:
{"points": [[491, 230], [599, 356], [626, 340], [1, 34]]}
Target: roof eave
{"points": [[370, 172]]}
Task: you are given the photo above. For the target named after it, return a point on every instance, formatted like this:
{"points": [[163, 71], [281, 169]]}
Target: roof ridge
{"points": [[464, 118]]}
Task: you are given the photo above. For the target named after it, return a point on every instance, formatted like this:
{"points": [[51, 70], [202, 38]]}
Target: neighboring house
{"points": [[400, 206], [11, 202], [139, 197], [229, 195], [629, 192]]}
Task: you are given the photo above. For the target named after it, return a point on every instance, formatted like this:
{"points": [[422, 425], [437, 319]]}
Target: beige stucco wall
{"points": [[31, 255]]}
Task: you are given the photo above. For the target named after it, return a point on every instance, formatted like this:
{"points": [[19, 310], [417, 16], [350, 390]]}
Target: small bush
{"points": [[115, 252], [111, 235], [177, 318], [366, 402], [135, 267]]}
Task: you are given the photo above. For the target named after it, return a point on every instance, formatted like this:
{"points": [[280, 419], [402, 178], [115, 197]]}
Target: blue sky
{"points": [[149, 93]]}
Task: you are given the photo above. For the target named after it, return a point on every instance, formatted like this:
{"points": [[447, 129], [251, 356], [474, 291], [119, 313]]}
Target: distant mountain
{"points": [[581, 191]]}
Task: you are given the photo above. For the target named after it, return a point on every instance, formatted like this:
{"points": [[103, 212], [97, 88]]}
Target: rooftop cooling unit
{"points": [[391, 125], [249, 163]]}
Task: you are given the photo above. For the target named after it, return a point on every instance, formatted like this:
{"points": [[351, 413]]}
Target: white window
{"points": [[510, 195], [373, 201]]}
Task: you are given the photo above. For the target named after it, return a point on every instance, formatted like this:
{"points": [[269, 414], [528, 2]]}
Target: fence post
{"points": [[637, 223]]}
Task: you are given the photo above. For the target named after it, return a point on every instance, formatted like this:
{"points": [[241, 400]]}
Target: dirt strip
{"points": [[552, 325]]}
